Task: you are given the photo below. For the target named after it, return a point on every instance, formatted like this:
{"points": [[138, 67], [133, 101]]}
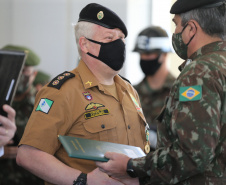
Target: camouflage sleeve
{"points": [[189, 131]]}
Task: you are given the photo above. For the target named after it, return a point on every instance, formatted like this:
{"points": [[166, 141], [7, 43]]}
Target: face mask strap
{"points": [[94, 41], [192, 36], [93, 56]]}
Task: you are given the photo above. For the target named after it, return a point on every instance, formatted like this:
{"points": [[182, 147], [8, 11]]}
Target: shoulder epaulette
{"points": [[124, 79], [58, 81]]}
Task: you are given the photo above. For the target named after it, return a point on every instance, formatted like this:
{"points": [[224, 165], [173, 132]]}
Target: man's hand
{"points": [[96, 177], [116, 166], [8, 127]]}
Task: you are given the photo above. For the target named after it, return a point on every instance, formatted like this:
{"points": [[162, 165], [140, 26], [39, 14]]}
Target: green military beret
{"points": [[32, 57], [98, 14], [182, 6], [41, 78]]}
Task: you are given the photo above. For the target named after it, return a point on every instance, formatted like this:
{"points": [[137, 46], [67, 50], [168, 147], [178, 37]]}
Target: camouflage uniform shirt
{"points": [[151, 100], [191, 147]]}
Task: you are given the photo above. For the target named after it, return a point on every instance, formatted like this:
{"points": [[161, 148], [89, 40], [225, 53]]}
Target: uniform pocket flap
{"points": [[99, 124]]}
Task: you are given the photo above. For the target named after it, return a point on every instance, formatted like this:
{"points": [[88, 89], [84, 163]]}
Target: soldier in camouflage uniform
{"points": [[41, 79], [153, 46], [191, 147], [10, 172]]}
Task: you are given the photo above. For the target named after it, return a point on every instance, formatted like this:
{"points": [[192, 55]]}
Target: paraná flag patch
{"points": [[44, 105]]}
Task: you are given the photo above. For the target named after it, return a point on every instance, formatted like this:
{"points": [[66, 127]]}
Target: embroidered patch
{"points": [[44, 105], [96, 113], [55, 82], [136, 103], [87, 95], [93, 106], [58, 81], [190, 93], [60, 77]]}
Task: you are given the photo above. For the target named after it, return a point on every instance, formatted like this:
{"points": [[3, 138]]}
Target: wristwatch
{"points": [[81, 180], [130, 169]]}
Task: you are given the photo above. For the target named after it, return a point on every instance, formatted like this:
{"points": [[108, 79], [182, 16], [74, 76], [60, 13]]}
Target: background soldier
{"points": [[41, 79], [153, 46], [191, 145]]}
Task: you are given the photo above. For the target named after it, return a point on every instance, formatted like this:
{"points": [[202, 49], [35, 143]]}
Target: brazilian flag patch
{"points": [[190, 93], [44, 105]]}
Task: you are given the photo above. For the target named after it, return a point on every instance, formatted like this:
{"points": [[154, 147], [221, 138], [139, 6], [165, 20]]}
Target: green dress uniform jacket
{"points": [[191, 147]]}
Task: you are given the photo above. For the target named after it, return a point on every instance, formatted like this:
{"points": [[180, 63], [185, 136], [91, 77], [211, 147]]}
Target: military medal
{"points": [[147, 146]]}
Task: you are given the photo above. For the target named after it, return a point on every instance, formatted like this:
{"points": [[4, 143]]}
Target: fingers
{"points": [[10, 111], [8, 128], [8, 123], [109, 155]]}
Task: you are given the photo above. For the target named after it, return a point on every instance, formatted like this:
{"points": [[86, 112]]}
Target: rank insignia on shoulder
{"points": [[58, 81], [190, 93], [44, 105]]}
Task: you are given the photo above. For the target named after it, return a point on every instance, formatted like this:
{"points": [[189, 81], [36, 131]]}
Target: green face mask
{"points": [[179, 46]]}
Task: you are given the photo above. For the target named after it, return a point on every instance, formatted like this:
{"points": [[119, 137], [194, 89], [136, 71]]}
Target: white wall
{"points": [[46, 27]]}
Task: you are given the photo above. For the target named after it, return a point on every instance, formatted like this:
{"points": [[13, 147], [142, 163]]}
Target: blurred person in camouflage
{"points": [[41, 79], [10, 172], [153, 46], [191, 147]]}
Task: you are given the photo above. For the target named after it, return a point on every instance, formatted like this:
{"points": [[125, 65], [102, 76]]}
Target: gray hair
{"points": [[211, 20], [83, 29]]}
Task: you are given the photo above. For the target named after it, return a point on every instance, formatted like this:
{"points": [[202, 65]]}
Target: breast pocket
{"points": [[101, 128]]}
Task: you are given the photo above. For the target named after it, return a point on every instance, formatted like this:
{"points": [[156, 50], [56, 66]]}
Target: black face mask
{"points": [[150, 67], [112, 53]]}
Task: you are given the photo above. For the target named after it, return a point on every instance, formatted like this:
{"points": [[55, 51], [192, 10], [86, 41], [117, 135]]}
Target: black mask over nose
{"points": [[112, 53]]}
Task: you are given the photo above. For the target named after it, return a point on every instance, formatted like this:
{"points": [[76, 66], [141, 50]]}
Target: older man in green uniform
{"points": [[191, 147], [10, 172]]}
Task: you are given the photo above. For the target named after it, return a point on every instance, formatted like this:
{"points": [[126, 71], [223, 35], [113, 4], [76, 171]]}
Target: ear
{"points": [[83, 43], [193, 25]]}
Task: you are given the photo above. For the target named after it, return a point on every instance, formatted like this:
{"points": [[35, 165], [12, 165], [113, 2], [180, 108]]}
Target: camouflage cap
{"points": [[98, 14], [32, 57], [182, 6], [41, 78]]}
